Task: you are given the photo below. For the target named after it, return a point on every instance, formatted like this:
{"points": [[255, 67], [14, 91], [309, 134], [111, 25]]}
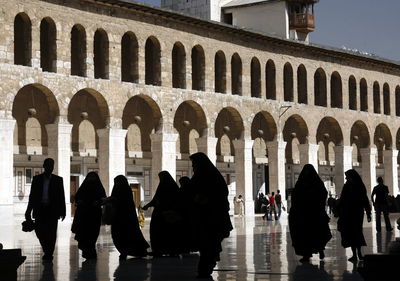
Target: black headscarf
{"points": [[122, 192], [356, 181], [91, 188], [309, 178]]}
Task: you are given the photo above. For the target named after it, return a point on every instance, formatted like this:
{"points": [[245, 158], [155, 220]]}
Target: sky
{"points": [[371, 26]]}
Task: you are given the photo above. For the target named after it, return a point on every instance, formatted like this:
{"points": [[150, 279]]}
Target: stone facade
{"points": [[113, 77]]}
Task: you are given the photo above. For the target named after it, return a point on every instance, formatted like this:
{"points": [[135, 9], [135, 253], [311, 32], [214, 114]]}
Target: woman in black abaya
{"points": [[166, 222], [308, 221], [352, 203], [125, 229], [210, 212], [87, 219]]}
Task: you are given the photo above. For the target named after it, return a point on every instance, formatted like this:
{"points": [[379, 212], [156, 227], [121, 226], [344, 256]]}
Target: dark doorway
{"points": [[136, 193]]}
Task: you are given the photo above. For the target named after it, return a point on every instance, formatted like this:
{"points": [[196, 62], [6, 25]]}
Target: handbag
{"points": [[28, 226]]}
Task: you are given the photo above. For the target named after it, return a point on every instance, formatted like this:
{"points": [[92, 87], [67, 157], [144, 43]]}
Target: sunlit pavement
{"points": [[256, 250]]}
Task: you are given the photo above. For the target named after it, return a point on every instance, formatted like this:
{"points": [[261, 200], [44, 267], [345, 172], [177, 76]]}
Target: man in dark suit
{"points": [[381, 193], [47, 201]]}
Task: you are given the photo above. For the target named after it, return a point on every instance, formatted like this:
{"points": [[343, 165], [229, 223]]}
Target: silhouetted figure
{"points": [[185, 205], [266, 203], [381, 193], [308, 221], [352, 203], [132, 269], [278, 203], [125, 229], [272, 206], [87, 219], [166, 222], [240, 203], [87, 272], [331, 204], [47, 201], [211, 220]]}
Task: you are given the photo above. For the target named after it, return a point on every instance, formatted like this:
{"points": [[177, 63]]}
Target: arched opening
{"points": [[190, 122], [302, 84], [382, 140], [322, 153], [78, 51], [331, 153], [101, 54], [255, 78], [295, 132], [236, 72], [377, 98], [397, 100], [386, 99], [134, 139], [398, 145], [153, 63], [363, 95], [336, 91], [198, 68], [359, 137], [352, 93], [320, 87], [48, 45], [86, 139], [178, 66], [33, 136], [129, 58], [22, 40], [229, 123], [330, 134], [288, 82], [355, 155], [270, 80], [220, 72]]}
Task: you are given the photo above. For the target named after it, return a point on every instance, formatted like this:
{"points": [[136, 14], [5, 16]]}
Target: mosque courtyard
{"points": [[256, 250]]}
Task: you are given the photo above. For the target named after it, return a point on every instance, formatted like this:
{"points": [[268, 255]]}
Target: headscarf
{"points": [[309, 178], [91, 188], [356, 181], [121, 190]]}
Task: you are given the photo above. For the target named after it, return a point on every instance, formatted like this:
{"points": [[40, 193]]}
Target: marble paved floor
{"points": [[256, 250]]}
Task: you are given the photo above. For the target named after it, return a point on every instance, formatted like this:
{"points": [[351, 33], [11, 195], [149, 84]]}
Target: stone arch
{"points": [[363, 95], [382, 140], [329, 131], [22, 40], [397, 100], [255, 78], [386, 99], [87, 104], [198, 68], [178, 66], [33, 139], [78, 50], [295, 128], [377, 97], [236, 73], [321, 153], [320, 94], [263, 130], [134, 139], [188, 117], [129, 58], [359, 136], [152, 61], [331, 153], [143, 111], [355, 154], [398, 145], [336, 90], [228, 123], [288, 82], [302, 84], [48, 45], [101, 54], [352, 93], [34, 101], [86, 138], [220, 72], [270, 80]]}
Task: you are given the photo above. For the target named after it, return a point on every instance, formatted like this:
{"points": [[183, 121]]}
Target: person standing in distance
{"points": [[380, 203], [47, 205]]}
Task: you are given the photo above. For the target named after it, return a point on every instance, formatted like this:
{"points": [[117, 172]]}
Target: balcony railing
{"points": [[302, 22]]}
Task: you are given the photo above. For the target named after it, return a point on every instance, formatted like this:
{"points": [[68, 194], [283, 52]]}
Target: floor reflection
{"points": [[257, 250]]}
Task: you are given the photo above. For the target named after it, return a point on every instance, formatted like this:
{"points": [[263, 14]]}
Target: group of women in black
{"points": [[193, 217], [309, 222]]}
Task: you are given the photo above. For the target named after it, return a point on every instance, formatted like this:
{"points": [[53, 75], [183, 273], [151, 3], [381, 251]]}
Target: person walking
{"points": [[125, 229], [265, 201], [87, 219], [272, 206], [240, 203], [353, 202], [331, 204], [308, 221], [380, 203], [46, 205], [166, 222], [210, 212], [278, 202]]}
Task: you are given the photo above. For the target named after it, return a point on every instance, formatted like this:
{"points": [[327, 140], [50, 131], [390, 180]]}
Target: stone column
{"points": [[309, 154], [208, 145], [163, 149], [276, 165], [59, 148], [111, 155], [368, 165], [343, 162], [390, 169], [6, 171], [244, 172]]}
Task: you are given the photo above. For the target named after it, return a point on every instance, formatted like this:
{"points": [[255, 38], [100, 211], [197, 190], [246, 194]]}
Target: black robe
{"points": [[125, 229]]}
